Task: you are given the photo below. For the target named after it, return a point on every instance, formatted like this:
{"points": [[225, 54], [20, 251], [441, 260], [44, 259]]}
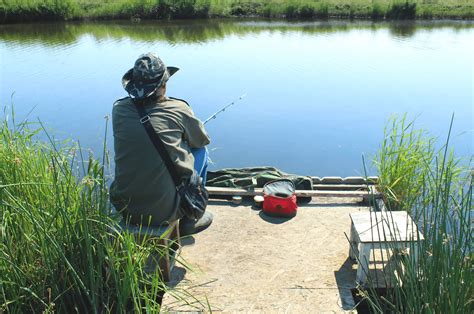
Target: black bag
{"points": [[193, 195]]}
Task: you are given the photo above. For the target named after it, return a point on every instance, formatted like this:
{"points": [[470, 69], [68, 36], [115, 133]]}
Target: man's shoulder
{"points": [[121, 101], [179, 100], [122, 106]]}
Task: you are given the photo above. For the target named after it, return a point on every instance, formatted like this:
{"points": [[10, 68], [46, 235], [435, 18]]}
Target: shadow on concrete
{"points": [[219, 202], [345, 280], [325, 205], [274, 220], [177, 275], [187, 240], [246, 201]]}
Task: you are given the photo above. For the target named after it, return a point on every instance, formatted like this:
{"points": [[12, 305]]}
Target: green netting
{"points": [[254, 177]]}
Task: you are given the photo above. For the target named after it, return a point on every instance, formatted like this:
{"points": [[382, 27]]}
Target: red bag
{"points": [[279, 198]]}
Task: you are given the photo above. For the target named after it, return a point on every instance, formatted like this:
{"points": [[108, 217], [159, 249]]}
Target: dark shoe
{"points": [[188, 226]]}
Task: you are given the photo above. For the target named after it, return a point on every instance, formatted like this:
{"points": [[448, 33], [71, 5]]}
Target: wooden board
{"points": [[302, 193], [347, 180], [385, 226], [348, 187]]}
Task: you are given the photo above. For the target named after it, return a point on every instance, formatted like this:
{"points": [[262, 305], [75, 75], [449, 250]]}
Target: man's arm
{"points": [[194, 132]]}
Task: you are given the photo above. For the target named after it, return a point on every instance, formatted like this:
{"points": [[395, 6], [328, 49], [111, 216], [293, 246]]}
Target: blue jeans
{"points": [[201, 161]]}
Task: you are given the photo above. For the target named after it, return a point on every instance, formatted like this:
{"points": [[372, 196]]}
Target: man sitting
{"points": [[143, 189]]}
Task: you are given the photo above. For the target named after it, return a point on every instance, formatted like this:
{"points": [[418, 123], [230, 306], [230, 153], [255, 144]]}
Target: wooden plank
{"points": [[385, 227], [331, 180], [302, 193], [350, 187], [347, 180]]}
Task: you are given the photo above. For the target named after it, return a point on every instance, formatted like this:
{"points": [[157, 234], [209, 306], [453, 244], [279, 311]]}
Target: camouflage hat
{"points": [[146, 76]]}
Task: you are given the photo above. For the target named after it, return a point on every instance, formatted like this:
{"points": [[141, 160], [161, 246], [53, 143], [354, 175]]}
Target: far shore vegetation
{"points": [[46, 10]]}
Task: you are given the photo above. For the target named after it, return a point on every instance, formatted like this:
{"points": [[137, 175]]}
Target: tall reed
{"points": [[59, 248], [437, 189], [401, 163]]}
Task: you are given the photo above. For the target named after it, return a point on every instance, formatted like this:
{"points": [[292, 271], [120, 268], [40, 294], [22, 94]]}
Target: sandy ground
{"points": [[248, 262]]}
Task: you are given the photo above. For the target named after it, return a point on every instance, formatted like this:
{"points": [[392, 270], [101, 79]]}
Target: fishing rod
{"points": [[224, 108]]}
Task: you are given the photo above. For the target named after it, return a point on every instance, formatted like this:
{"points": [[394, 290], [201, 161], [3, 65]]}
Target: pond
{"points": [[318, 93]]}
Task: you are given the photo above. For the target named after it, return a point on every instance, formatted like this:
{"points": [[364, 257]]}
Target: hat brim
{"points": [[140, 91], [172, 70]]}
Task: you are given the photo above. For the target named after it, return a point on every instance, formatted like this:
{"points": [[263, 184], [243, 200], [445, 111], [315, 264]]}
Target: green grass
{"points": [[59, 250], [436, 188], [33, 10]]}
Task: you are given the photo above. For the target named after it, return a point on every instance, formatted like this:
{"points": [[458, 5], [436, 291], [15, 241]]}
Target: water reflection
{"points": [[201, 30]]}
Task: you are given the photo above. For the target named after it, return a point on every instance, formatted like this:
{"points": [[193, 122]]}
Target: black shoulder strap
{"points": [[157, 142]]}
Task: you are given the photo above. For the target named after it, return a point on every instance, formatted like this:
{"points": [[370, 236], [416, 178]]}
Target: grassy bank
{"points": [[436, 189], [34, 10], [59, 251]]}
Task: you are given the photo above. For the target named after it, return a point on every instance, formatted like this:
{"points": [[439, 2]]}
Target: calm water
{"points": [[318, 93]]}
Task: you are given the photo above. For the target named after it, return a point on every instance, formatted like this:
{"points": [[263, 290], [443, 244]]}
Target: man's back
{"points": [[143, 185]]}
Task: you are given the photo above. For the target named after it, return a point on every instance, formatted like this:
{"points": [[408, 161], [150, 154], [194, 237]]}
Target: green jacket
{"points": [[143, 188]]}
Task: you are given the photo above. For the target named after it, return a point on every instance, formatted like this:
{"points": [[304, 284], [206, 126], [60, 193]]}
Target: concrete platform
{"points": [[248, 262]]}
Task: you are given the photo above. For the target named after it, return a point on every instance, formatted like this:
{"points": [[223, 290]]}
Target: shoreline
{"points": [[337, 20], [243, 17]]}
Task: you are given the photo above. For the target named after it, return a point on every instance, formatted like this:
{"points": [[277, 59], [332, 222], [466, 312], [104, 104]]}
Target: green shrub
{"points": [[377, 11], [402, 10], [245, 8], [266, 10], [307, 11], [291, 11], [323, 10], [188, 9]]}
